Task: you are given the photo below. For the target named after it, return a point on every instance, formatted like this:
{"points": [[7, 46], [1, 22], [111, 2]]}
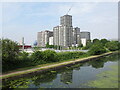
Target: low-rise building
{"points": [[84, 41], [85, 35], [43, 38], [50, 40]]}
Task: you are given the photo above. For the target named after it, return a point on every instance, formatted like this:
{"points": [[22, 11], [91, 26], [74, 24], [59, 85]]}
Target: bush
{"points": [[23, 56], [50, 56], [37, 57], [69, 55], [97, 49], [85, 48]]}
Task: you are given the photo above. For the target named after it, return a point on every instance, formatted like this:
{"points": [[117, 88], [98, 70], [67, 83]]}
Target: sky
{"points": [[25, 19]]}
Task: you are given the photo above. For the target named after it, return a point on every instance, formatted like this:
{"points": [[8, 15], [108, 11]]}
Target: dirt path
{"points": [[12, 74]]}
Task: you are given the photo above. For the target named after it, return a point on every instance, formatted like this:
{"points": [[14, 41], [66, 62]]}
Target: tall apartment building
{"points": [[76, 36], [62, 34], [66, 20], [43, 38]]}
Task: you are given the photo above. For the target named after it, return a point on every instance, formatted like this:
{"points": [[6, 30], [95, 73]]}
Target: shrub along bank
{"points": [[13, 59], [41, 57]]}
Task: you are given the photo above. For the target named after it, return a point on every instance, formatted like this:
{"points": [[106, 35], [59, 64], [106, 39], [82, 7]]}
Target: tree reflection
{"points": [[27, 81], [114, 57], [66, 77], [44, 78], [99, 63]]}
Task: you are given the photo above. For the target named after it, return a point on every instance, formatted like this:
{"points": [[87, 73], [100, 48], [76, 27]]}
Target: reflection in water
{"points": [[66, 74], [27, 81], [99, 63], [66, 77], [44, 78]]}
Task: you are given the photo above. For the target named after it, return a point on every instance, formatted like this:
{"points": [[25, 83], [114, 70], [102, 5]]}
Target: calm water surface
{"points": [[75, 76]]}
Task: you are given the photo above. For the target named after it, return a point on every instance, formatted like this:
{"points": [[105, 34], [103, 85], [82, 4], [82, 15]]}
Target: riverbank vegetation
{"points": [[13, 59], [48, 76]]}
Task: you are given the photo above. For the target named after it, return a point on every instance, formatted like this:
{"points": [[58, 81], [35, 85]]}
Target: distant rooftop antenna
{"points": [[69, 10]]}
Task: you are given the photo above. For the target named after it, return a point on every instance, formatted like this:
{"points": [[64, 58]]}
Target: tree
{"points": [[119, 45], [47, 45], [97, 49], [80, 45], [104, 41], [88, 45], [10, 50], [10, 53], [0, 49], [96, 40], [112, 45]]}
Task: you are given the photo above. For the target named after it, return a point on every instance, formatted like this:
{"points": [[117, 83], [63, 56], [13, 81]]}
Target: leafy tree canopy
{"points": [[10, 50], [96, 40], [104, 41], [112, 45], [97, 49]]}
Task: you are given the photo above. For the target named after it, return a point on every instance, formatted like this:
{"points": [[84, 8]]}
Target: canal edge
{"points": [[49, 67]]}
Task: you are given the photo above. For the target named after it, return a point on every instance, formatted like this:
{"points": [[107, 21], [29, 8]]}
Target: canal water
{"points": [[75, 76]]}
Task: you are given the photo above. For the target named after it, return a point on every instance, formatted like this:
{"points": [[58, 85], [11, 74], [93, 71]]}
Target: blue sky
{"points": [[25, 19]]}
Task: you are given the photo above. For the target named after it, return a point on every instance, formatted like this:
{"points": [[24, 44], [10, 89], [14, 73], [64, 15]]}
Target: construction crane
{"points": [[69, 10]]}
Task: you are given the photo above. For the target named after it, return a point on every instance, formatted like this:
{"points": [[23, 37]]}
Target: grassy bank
{"points": [[39, 68]]}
